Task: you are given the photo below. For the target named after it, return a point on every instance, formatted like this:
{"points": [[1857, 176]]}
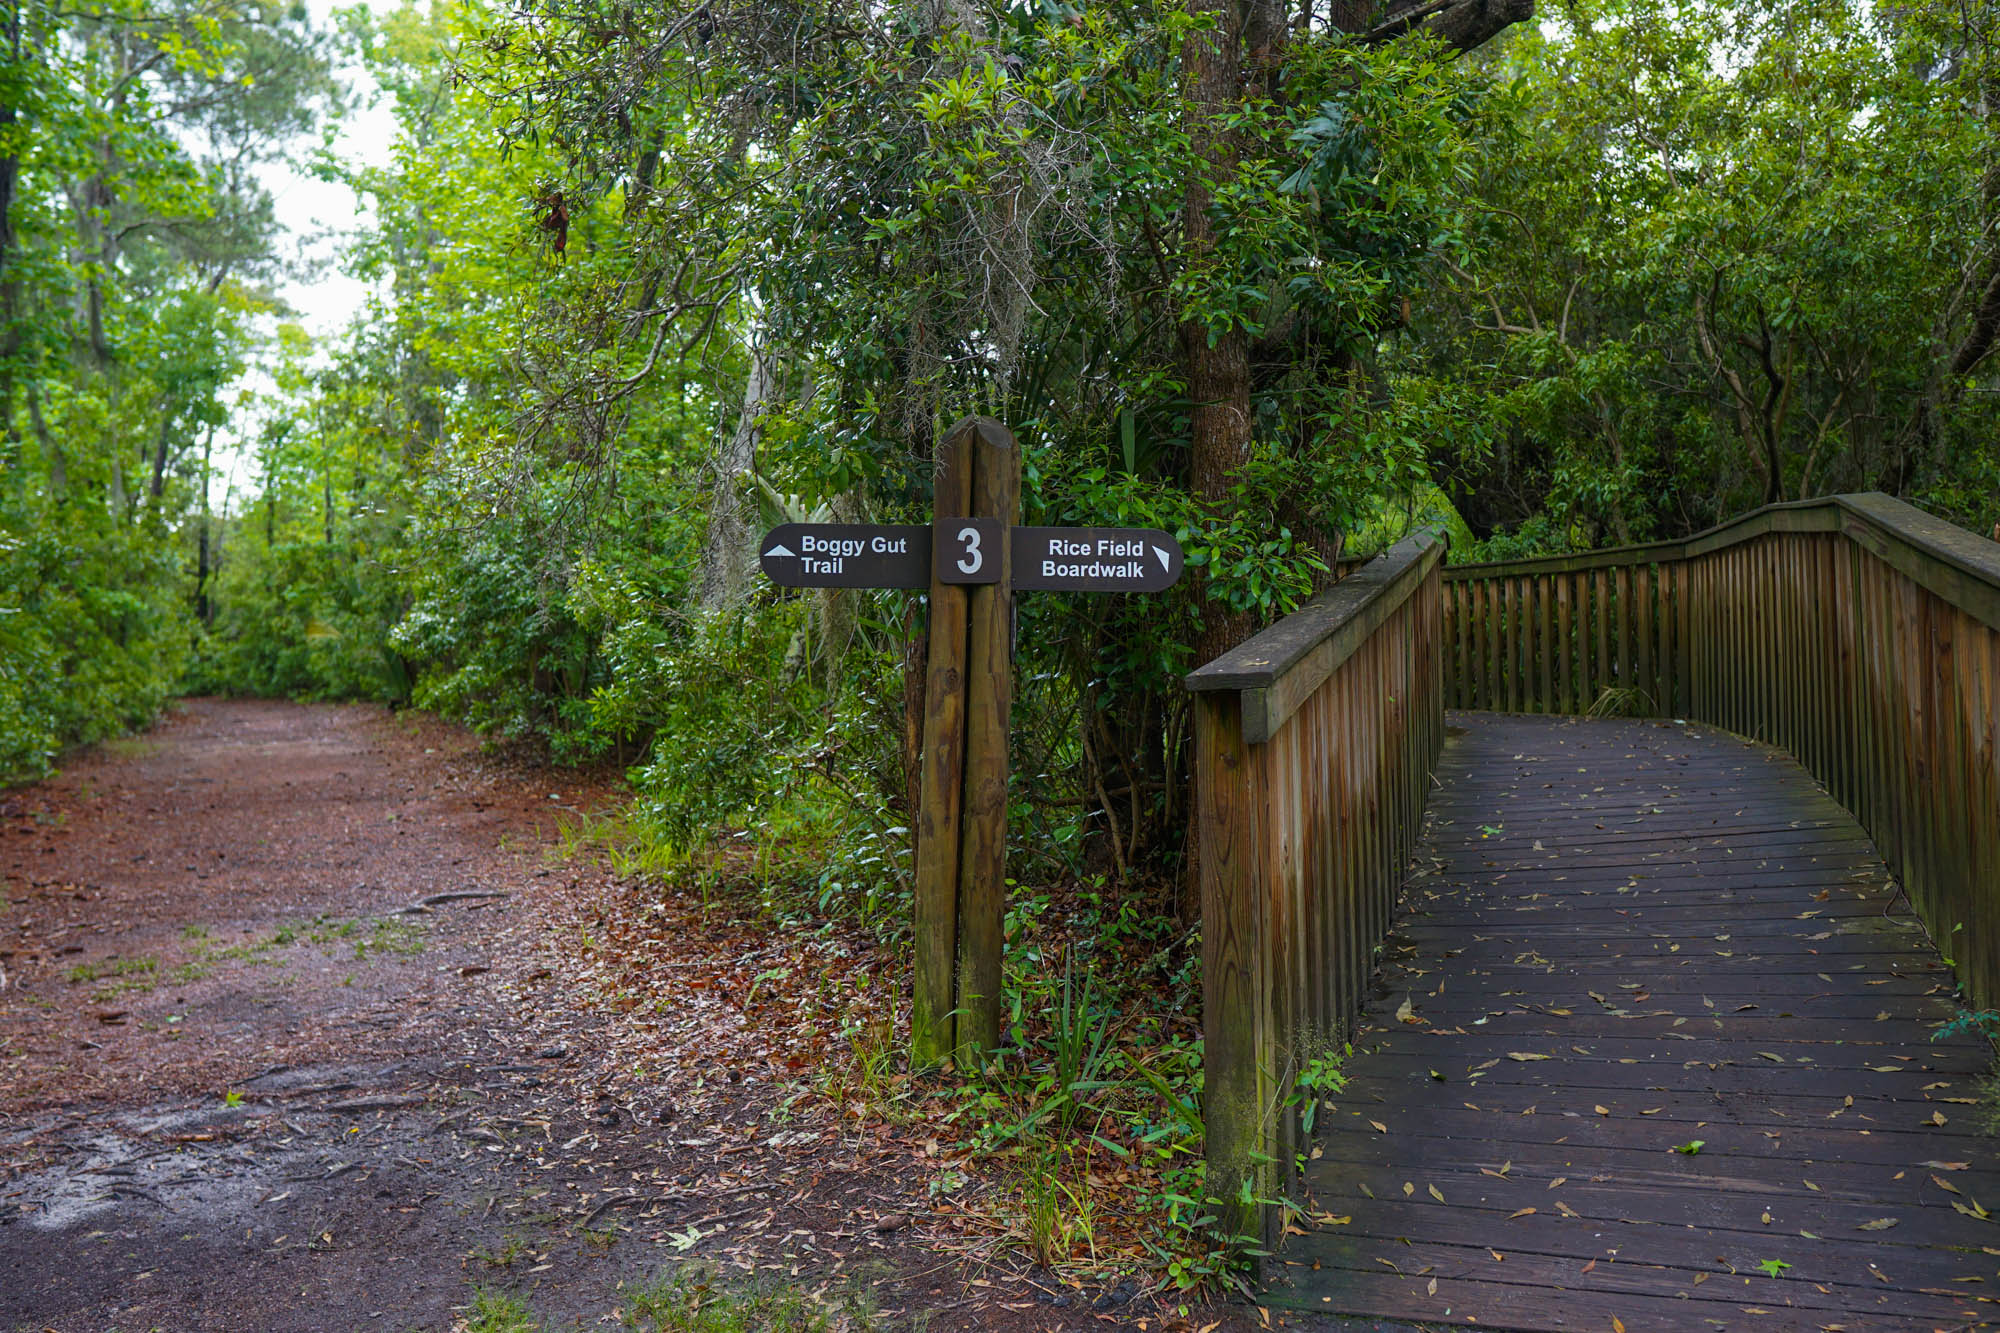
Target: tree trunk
{"points": [[1217, 370], [201, 607], [726, 550]]}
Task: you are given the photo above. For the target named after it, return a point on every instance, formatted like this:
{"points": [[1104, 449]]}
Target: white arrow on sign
{"points": [[1164, 562], [781, 549]]}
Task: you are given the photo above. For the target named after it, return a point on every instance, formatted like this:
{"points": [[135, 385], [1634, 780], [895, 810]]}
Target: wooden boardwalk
{"points": [[1620, 939]]}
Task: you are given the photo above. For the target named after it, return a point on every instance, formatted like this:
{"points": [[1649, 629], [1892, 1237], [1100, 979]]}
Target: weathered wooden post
{"points": [[989, 699], [941, 785], [969, 692]]}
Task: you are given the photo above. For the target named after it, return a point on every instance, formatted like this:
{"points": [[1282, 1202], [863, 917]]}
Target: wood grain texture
{"points": [[941, 782], [989, 696], [1505, 1160]]}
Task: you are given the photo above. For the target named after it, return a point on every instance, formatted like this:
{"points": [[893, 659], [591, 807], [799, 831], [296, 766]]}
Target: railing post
{"points": [[1234, 989]]}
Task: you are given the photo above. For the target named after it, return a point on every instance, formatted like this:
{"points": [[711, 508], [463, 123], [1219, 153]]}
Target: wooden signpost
{"points": [[972, 558]]}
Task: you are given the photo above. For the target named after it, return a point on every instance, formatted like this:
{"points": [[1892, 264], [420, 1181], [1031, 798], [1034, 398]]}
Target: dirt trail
{"points": [[225, 894], [231, 1024], [307, 1027]]}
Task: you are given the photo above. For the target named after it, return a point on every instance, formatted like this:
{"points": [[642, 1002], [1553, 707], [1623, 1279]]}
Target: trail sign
{"points": [[967, 550], [971, 559], [1096, 559], [847, 555]]}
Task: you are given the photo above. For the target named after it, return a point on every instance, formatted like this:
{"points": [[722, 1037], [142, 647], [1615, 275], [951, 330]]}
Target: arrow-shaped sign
{"points": [[1096, 559], [848, 555], [898, 555]]}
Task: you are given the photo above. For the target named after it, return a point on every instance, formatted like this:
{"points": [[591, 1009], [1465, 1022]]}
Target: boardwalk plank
{"points": [[1697, 943]]}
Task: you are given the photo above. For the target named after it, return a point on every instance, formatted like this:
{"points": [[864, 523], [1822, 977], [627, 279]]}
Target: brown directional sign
{"points": [[1095, 559], [847, 555], [967, 550]]}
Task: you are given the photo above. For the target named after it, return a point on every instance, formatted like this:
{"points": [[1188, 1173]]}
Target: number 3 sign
{"points": [[964, 550]]}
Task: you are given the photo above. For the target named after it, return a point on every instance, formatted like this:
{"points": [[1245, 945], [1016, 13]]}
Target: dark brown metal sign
{"points": [[968, 550], [847, 555], [1096, 559]]}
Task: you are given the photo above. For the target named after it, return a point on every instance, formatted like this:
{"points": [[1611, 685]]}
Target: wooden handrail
{"points": [[1278, 669], [1964, 566], [1314, 746]]}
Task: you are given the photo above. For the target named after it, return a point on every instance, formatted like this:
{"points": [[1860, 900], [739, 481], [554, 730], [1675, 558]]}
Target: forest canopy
{"points": [[648, 277]]}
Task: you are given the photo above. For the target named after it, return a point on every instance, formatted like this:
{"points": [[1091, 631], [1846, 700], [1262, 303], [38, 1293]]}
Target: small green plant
{"points": [[112, 967], [1772, 1267], [232, 1098], [498, 1312], [1621, 701], [503, 1255], [391, 937], [1690, 1148], [1985, 1022], [1321, 1077], [1042, 1214]]}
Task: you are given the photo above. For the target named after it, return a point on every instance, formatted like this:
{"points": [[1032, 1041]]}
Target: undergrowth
{"points": [[1081, 1139], [693, 1301]]}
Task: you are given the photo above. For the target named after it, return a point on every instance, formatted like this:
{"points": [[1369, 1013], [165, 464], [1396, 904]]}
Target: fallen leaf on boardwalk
{"points": [[1431, 1287], [1329, 1220], [1601, 1110], [1944, 1184], [1525, 1056], [1879, 1224], [1519, 1212], [1947, 1166], [1592, 1264], [1617, 1324], [1498, 1257], [1886, 1069], [1773, 1267], [1557, 1181], [1765, 1218], [1380, 1128], [1937, 1117], [1768, 1056], [1974, 1211], [1405, 1013], [1435, 1193], [1566, 1210], [1408, 1189]]}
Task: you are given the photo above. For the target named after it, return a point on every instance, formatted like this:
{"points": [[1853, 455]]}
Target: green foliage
{"points": [[90, 635], [1732, 253], [695, 1301], [134, 250]]}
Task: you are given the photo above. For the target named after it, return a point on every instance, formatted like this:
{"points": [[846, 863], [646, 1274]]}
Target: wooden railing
{"points": [[1314, 746], [1857, 632]]}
